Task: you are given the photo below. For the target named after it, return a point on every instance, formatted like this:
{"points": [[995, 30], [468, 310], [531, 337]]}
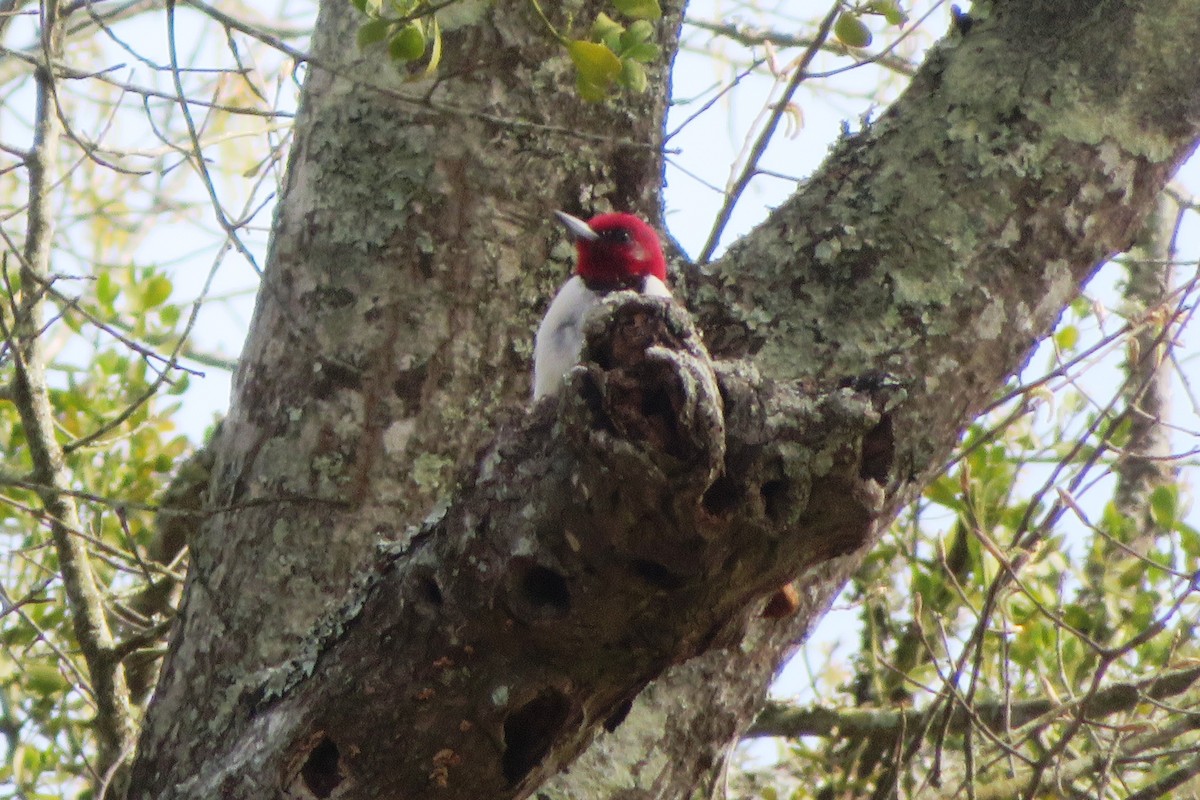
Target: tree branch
{"points": [[581, 527], [935, 247], [751, 37], [114, 724], [1027, 783], [783, 719], [749, 169]]}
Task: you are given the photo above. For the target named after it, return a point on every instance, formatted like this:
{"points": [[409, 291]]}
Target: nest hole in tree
{"points": [[878, 451], [775, 499], [530, 731], [431, 592], [322, 770], [721, 497], [618, 716], [546, 589], [784, 603]]}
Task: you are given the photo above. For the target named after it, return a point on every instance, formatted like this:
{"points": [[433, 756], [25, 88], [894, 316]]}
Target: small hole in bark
{"points": [[617, 717], [775, 495], [408, 386], [322, 770], [656, 574], [878, 450], [529, 732], [431, 591], [546, 589], [784, 603], [721, 497], [334, 376]]}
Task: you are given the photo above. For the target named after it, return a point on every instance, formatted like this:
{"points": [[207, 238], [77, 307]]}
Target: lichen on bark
{"points": [[857, 332]]}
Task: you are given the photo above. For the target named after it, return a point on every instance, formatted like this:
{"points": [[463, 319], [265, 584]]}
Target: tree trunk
{"points": [[624, 536]]}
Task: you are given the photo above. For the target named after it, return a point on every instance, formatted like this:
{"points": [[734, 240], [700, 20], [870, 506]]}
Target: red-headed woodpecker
{"points": [[615, 251]]}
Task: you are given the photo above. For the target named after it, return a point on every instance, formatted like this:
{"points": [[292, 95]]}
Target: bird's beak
{"points": [[576, 227]]}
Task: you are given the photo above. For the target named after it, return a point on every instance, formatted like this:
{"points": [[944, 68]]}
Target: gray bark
{"points": [[637, 524], [1146, 464]]}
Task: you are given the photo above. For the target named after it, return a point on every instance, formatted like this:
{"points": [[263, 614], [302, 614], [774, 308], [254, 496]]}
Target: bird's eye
{"points": [[617, 236]]}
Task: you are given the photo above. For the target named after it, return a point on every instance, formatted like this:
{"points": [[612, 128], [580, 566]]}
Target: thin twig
{"points": [[114, 721], [749, 37], [767, 133]]}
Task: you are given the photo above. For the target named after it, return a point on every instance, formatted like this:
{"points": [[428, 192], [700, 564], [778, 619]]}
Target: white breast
{"points": [[560, 336]]}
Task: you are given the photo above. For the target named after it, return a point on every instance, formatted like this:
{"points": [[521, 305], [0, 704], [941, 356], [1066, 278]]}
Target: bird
{"points": [[614, 251]]}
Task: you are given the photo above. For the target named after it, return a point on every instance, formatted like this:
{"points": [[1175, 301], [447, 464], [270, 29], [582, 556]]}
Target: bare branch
{"points": [[783, 719], [114, 723], [751, 37], [799, 74]]}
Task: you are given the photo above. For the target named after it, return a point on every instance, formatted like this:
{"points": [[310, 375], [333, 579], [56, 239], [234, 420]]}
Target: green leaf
{"points": [[852, 31], [361, 5], [645, 52], [589, 91], [640, 31], [372, 32], [1077, 616], [109, 362], [889, 10], [44, 679], [1164, 506], [1189, 540], [894, 14], [633, 75], [1067, 337], [605, 26], [408, 44], [924, 584], [945, 491], [1131, 575], [635, 43], [639, 9], [106, 289], [598, 68], [1081, 307], [156, 291]]}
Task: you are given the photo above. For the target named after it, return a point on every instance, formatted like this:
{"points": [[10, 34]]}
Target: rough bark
{"points": [[594, 545], [858, 330], [1147, 464]]}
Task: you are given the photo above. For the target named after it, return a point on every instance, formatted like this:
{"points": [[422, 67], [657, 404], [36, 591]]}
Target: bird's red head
{"points": [[615, 249]]}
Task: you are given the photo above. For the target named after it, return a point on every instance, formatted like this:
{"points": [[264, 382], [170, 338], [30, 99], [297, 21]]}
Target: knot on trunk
{"points": [[646, 379]]}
